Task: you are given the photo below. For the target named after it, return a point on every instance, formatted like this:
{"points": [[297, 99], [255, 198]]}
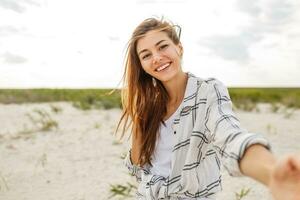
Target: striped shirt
{"points": [[207, 133]]}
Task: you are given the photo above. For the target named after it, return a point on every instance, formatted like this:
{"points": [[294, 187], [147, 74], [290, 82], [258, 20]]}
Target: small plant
{"points": [[42, 161], [42, 120], [249, 106], [243, 192], [97, 126], [3, 182], [245, 105], [82, 105], [275, 107], [123, 156], [107, 104], [116, 142], [271, 129], [55, 109], [288, 113], [122, 190]]}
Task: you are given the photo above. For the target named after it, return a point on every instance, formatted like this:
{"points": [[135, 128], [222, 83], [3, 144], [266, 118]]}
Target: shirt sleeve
{"points": [[134, 170], [229, 138], [150, 185]]}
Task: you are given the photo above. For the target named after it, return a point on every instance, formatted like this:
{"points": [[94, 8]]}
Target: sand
{"points": [[81, 158]]}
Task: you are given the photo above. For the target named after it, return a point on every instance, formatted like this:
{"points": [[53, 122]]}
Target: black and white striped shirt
{"points": [[207, 133]]}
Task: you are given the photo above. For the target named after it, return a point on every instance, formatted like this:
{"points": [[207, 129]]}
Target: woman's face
{"points": [[159, 56]]}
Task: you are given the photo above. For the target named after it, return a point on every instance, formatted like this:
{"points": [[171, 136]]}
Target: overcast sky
{"points": [[81, 43]]}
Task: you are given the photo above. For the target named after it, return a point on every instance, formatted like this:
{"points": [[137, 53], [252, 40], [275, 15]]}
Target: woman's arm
{"points": [[258, 163], [245, 153], [135, 149], [282, 176], [229, 139]]}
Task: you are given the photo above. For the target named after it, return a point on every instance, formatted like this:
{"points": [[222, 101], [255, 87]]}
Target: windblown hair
{"points": [[144, 98]]}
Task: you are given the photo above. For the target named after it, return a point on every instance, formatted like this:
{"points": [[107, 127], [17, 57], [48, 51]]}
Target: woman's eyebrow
{"points": [[155, 45]]}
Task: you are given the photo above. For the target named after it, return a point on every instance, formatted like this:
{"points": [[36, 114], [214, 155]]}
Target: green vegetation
{"points": [[122, 190], [243, 98], [3, 183], [42, 120], [82, 98], [56, 109], [247, 98], [243, 192]]}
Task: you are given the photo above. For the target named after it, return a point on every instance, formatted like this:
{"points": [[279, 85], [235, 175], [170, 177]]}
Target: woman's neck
{"points": [[176, 88]]}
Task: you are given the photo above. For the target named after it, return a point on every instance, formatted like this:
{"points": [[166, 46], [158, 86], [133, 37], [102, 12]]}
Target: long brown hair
{"points": [[144, 98]]}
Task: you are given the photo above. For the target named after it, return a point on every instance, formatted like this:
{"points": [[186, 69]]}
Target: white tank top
{"points": [[161, 159]]}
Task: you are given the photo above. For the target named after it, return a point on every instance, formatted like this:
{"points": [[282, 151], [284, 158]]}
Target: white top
{"points": [[161, 159]]}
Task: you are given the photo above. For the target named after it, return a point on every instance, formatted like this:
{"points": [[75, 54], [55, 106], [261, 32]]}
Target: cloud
{"points": [[267, 17], [249, 7], [268, 14], [17, 5], [10, 58], [113, 38], [146, 1], [161, 1], [279, 12], [272, 12], [231, 47], [9, 30]]}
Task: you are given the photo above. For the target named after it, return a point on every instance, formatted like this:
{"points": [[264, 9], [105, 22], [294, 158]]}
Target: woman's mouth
{"points": [[163, 67]]}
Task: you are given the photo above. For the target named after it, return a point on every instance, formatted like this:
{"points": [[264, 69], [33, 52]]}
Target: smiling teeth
{"points": [[163, 67]]}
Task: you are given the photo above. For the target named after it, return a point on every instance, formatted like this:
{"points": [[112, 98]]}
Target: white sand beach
{"points": [[81, 158]]}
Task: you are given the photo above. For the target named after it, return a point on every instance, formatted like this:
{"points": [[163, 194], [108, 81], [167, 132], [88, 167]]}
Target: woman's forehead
{"points": [[150, 39]]}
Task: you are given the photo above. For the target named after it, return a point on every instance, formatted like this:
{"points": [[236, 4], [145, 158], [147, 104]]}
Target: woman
{"points": [[181, 125]]}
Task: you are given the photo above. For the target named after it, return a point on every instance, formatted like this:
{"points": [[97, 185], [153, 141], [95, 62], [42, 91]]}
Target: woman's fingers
{"points": [[294, 163], [285, 180], [281, 169]]}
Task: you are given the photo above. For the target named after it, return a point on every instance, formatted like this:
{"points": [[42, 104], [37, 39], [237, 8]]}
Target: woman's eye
{"points": [[163, 46], [145, 56]]}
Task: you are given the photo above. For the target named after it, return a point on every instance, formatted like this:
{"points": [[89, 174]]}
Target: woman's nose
{"points": [[156, 58]]}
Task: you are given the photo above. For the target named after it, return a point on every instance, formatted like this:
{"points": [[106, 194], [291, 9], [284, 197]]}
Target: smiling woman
{"points": [[161, 60], [183, 127]]}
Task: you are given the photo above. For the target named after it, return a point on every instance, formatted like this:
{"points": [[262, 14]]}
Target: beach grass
{"points": [[81, 98], [243, 98], [242, 193], [122, 190]]}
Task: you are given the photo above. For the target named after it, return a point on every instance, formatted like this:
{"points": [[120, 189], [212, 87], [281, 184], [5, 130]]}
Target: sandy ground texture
{"points": [[81, 158]]}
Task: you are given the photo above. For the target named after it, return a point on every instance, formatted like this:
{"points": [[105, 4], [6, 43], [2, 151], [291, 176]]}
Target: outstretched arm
{"points": [[258, 163], [245, 153], [281, 176]]}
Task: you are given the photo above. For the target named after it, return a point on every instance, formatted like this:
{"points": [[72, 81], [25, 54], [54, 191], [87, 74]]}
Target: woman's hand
{"points": [[285, 179]]}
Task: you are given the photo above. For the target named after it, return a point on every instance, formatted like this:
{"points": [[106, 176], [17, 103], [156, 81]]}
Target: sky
{"points": [[82, 43]]}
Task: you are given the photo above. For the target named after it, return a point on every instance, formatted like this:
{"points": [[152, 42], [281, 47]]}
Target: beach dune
{"points": [[54, 151]]}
